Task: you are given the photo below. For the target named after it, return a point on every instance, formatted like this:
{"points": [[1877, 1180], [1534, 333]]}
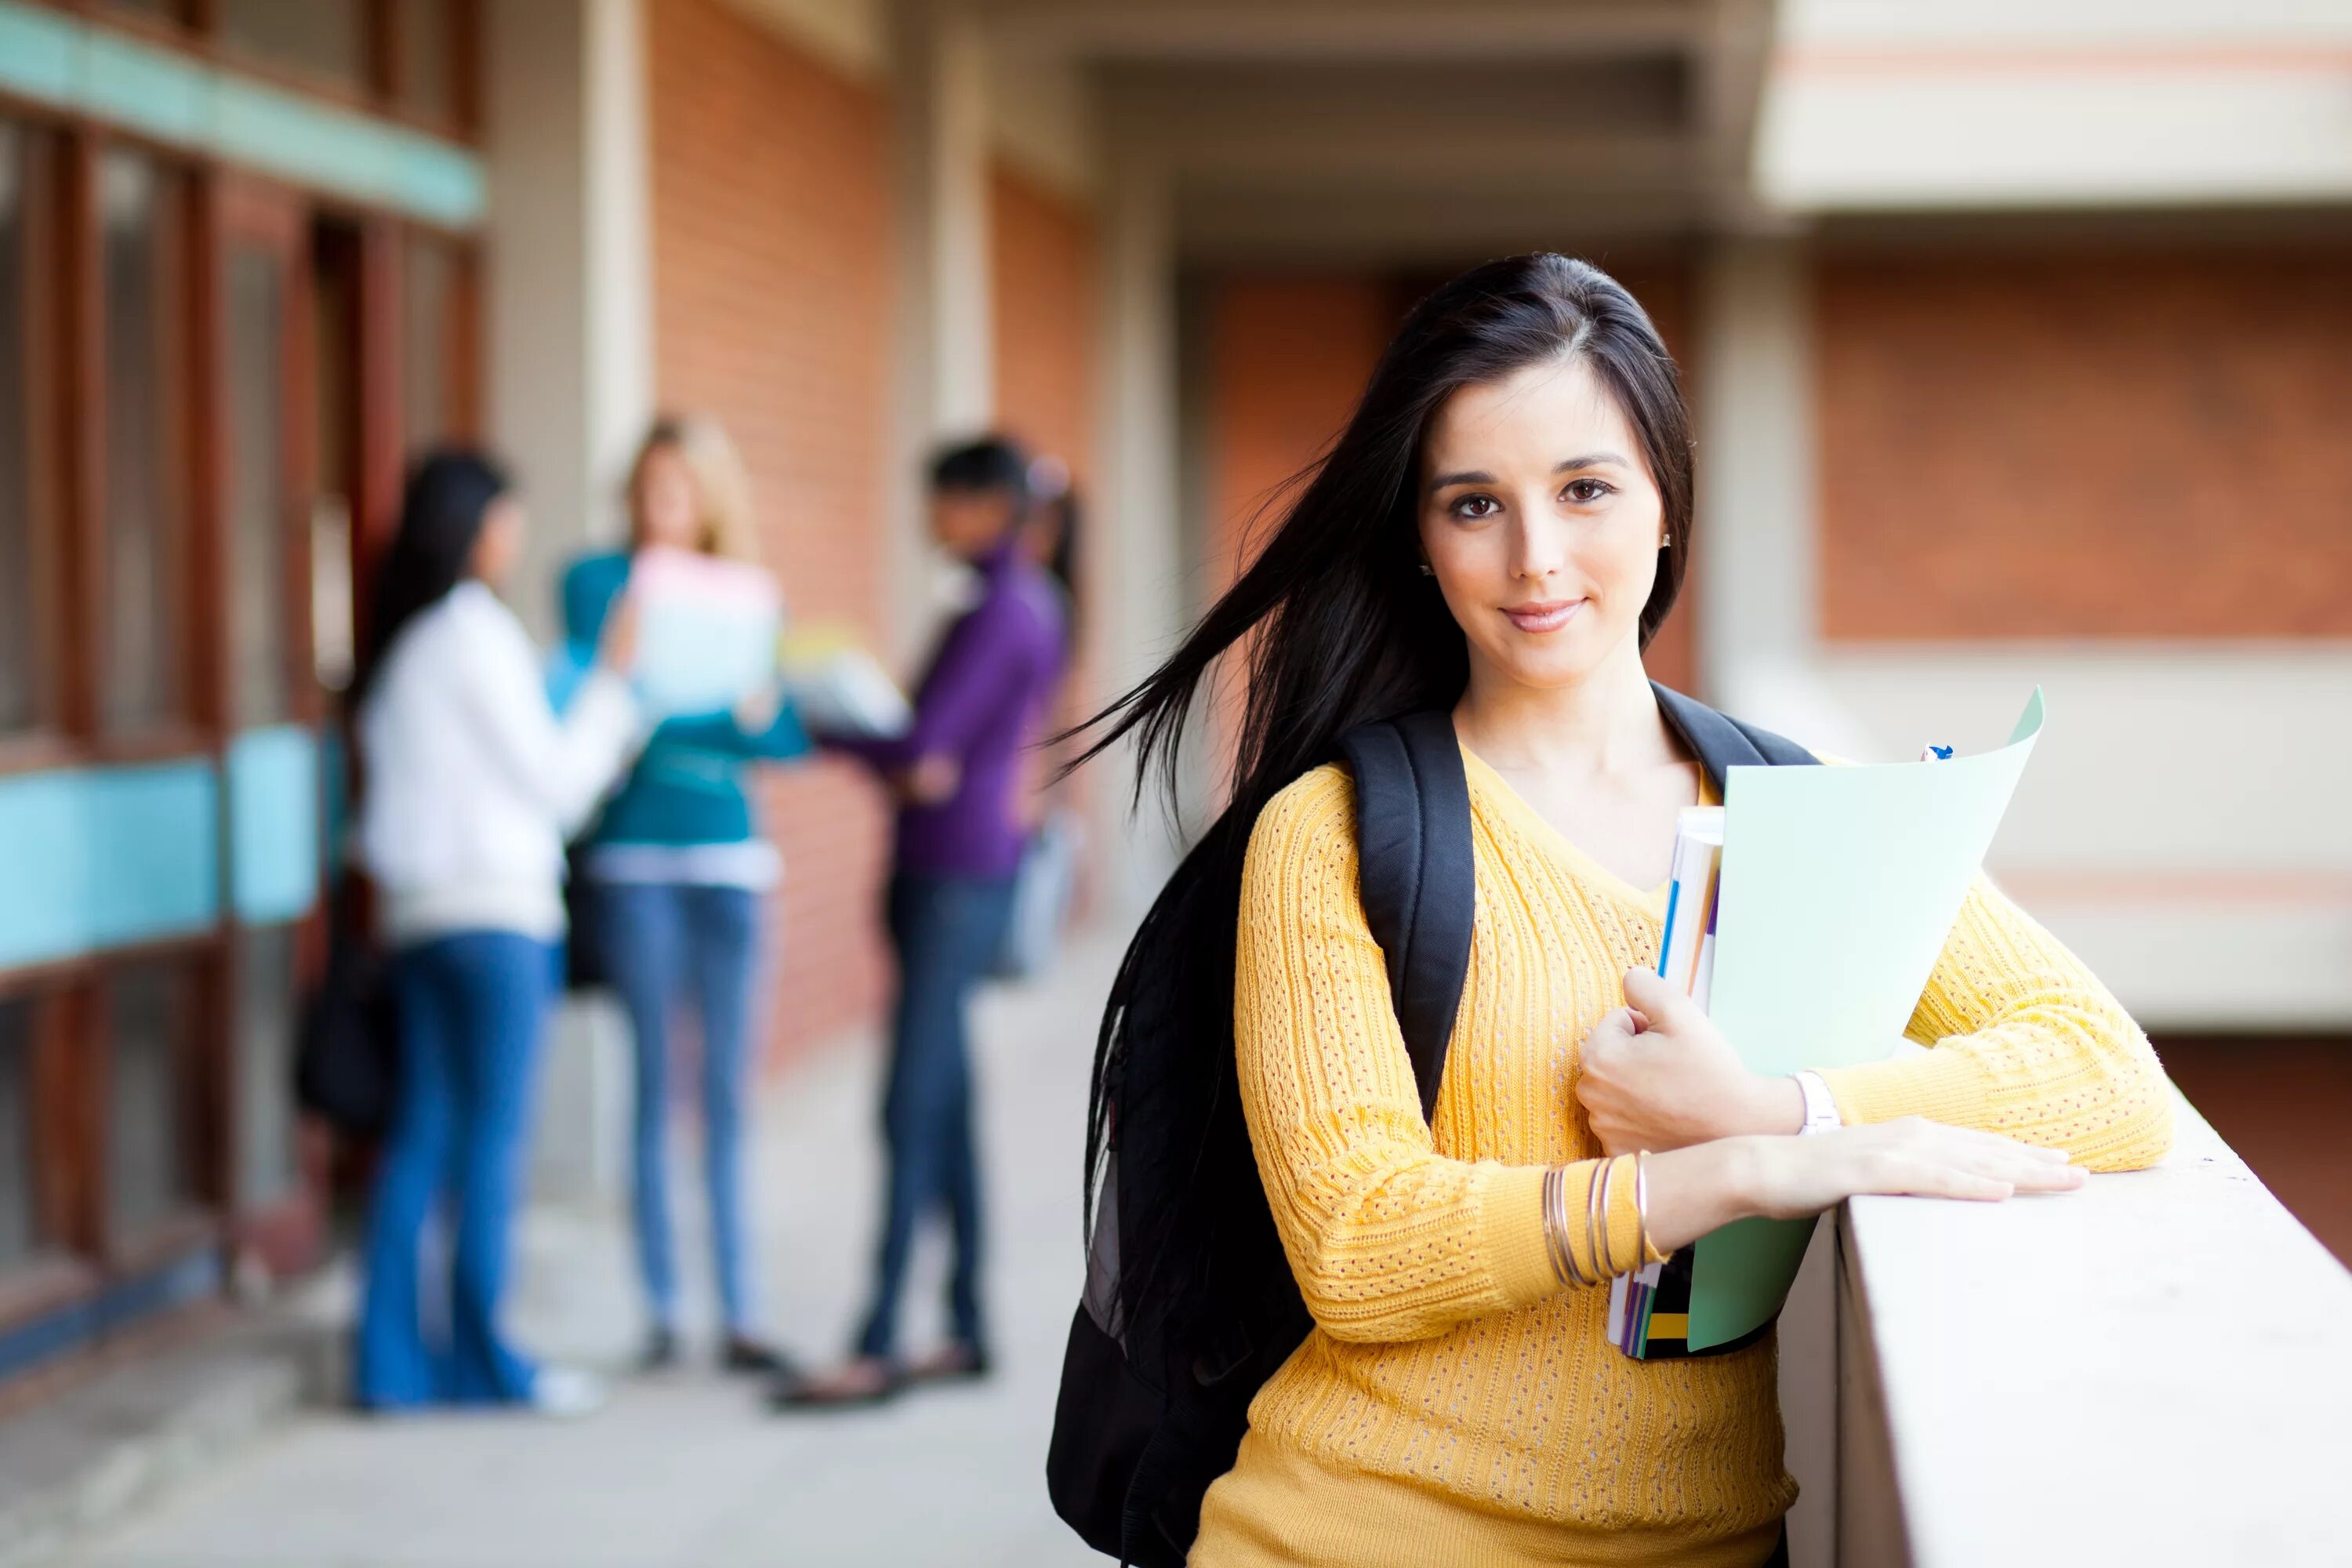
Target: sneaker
{"points": [[567, 1393]]}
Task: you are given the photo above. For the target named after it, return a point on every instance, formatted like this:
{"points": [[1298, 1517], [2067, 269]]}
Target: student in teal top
{"points": [[676, 870]]}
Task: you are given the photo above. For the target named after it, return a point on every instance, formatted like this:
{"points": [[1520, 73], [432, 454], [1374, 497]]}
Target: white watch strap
{"points": [[1821, 1108]]}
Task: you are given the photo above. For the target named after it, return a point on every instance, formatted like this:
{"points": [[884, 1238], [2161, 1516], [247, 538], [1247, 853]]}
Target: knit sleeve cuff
{"points": [[1511, 1234], [1942, 1086]]}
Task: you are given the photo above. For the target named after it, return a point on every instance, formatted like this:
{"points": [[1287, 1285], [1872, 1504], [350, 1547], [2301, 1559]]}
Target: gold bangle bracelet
{"points": [[1576, 1274], [1641, 1208], [1552, 1225], [1596, 1218], [1550, 1230]]}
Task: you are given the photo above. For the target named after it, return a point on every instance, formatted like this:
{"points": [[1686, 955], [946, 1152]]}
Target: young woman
{"points": [[678, 870], [471, 784], [1497, 534]]}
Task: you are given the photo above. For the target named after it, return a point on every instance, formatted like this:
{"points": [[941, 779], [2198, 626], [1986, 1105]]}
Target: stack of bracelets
{"points": [[1564, 1261]]}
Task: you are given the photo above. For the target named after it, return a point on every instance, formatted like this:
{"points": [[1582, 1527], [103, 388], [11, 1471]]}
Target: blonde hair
{"points": [[722, 486]]}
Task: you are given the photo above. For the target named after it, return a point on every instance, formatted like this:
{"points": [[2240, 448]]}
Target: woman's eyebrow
{"points": [[1590, 460], [1466, 476]]}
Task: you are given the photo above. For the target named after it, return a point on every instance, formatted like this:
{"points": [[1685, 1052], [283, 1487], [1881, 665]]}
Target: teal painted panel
{"points": [[44, 869], [273, 824], [36, 54], [176, 98], [335, 797], [148, 89], [153, 837], [440, 183], [306, 141], [94, 858]]}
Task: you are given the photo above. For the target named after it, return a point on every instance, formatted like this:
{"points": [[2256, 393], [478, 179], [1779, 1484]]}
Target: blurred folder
{"points": [[839, 688], [706, 631], [1837, 889]]}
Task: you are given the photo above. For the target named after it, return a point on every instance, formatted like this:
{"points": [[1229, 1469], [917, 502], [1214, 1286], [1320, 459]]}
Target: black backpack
{"points": [[1162, 1364]]}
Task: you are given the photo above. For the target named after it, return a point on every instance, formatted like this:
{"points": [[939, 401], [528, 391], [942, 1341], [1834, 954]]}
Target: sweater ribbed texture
{"points": [[1454, 1405]]}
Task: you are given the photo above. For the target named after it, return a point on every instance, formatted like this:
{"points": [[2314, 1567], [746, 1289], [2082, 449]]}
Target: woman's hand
{"points": [[1911, 1157], [1700, 1189], [930, 780], [616, 646], [758, 709], [1658, 1075]]}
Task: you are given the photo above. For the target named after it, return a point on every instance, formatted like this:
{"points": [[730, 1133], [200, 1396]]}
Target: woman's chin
{"points": [[1564, 664]]}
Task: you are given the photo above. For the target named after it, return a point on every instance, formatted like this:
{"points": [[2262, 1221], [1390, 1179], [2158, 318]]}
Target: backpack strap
{"points": [[1723, 742], [1418, 878]]}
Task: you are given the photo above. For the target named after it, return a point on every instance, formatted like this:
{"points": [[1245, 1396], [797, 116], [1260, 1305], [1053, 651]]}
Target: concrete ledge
{"points": [[114, 1444], [2155, 1371]]}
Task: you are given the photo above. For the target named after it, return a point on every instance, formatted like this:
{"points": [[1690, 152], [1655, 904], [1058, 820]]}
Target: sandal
{"points": [[856, 1384], [957, 1361]]}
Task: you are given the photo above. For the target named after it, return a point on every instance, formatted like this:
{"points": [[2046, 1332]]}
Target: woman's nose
{"points": [[1537, 546]]}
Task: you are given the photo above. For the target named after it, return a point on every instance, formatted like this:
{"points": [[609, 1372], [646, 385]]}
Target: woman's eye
{"points": [[1586, 491], [1476, 507]]}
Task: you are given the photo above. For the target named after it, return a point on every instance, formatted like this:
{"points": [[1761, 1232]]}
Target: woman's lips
{"points": [[1545, 617]]}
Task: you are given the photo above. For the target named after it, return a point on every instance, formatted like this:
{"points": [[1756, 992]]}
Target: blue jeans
{"points": [[666, 944], [947, 930], [470, 1007]]}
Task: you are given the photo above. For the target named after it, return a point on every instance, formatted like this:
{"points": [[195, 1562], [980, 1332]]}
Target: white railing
{"points": [[2157, 1370]]}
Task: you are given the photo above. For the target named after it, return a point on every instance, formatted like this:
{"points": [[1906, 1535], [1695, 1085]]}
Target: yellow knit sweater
{"points": [[1454, 1405]]}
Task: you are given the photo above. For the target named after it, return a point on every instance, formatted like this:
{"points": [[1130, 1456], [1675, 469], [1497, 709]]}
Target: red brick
{"points": [[772, 259], [2086, 445]]}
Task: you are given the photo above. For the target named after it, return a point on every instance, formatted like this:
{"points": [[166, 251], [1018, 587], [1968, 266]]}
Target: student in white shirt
{"points": [[471, 784]]}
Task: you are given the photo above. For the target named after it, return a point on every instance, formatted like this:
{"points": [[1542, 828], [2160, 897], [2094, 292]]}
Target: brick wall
{"points": [[2116, 444], [1287, 358], [1042, 272], [772, 260]]}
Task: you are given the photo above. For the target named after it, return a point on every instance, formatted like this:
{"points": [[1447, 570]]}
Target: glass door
{"points": [[264, 450]]}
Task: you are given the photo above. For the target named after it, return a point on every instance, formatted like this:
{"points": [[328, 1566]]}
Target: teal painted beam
{"points": [[153, 836], [273, 783], [98, 858], [92, 69]]}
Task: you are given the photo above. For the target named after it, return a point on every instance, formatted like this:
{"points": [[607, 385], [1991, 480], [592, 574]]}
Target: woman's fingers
{"points": [[1930, 1179], [1969, 1162]]}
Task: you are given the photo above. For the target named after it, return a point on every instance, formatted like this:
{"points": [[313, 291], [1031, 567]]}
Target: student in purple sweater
{"points": [[956, 774]]}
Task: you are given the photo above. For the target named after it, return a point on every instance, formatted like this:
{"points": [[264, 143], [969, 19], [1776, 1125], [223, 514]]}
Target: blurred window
{"points": [[427, 32], [150, 1007], [19, 1214], [168, 11], [143, 206], [27, 403], [432, 328], [265, 1065], [327, 38], [261, 616]]}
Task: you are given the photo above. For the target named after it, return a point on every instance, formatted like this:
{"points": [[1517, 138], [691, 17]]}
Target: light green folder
{"points": [[1840, 885]]}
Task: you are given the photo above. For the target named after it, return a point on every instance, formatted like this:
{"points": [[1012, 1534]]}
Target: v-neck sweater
{"points": [[1454, 1403]]}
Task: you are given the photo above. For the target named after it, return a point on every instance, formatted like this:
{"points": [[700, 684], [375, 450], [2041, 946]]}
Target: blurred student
{"points": [[678, 870], [472, 783], [959, 841]]}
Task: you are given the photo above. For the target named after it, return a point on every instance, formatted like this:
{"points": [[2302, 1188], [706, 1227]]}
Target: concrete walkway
{"points": [[686, 1468]]}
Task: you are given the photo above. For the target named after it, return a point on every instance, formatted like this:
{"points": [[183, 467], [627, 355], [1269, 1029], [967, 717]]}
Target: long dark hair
{"points": [[441, 512], [1346, 631]]}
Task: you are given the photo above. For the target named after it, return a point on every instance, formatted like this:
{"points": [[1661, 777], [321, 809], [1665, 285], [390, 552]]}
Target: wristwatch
{"points": [[1821, 1110]]}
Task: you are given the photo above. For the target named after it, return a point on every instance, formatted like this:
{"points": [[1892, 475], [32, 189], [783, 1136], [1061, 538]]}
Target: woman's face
{"points": [[1540, 524], [669, 509], [499, 544]]}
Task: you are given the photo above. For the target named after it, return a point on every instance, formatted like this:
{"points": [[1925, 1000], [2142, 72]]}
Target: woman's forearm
{"points": [[1699, 1189]]}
